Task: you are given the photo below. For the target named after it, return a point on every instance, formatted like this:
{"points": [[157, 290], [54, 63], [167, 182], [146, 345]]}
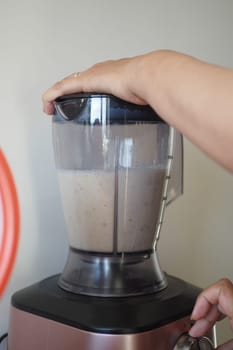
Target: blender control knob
{"points": [[205, 344], [185, 342]]}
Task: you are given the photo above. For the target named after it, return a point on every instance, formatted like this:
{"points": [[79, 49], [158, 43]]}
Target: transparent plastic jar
{"points": [[114, 162]]}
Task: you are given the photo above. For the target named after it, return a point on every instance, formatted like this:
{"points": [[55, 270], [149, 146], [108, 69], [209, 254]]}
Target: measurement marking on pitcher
{"points": [[115, 210]]}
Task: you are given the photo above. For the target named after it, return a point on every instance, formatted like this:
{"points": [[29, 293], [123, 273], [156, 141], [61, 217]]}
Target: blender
{"points": [[119, 166]]}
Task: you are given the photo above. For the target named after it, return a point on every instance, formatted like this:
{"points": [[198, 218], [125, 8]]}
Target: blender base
{"points": [[43, 316], [30, 331]]}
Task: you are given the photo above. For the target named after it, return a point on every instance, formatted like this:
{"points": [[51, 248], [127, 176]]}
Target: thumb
{"points": [[226, 346]]}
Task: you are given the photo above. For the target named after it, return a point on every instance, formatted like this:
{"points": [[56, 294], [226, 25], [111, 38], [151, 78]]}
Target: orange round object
{"points": [[9, 222]]}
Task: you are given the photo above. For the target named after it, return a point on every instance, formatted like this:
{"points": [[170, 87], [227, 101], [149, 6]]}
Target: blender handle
{"points": [[173, 183], [9, 222], [170, 156]]}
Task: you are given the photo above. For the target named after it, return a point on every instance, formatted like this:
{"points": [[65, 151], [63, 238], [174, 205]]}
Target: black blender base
{"points": [[108, 315]]}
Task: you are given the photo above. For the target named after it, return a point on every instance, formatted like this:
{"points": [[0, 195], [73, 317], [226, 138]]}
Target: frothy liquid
{"points": [[100, 220]]}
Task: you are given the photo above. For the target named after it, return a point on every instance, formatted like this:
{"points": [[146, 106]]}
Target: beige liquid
{"points": [[139, 199], [89, 201]]}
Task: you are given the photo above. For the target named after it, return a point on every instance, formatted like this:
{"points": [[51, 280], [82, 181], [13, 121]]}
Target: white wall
{"points": [[42, 41]]}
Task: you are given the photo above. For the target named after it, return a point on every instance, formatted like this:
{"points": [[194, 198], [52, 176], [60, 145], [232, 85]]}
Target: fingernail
{"points": [[49, 109], [193, 332], [199, 328], [193, 315]]}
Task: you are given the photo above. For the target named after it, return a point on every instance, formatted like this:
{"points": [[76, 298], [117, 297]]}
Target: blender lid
{"points": [[98, 109]]}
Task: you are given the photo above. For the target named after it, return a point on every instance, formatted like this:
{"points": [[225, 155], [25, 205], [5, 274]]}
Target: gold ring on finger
{"points": [[76, 74]]}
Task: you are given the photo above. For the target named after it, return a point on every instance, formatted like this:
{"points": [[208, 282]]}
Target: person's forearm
{"points": [[193, 96]]}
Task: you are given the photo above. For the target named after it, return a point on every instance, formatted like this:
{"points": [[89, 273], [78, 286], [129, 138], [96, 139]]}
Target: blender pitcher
{"points": [[115, 162]]}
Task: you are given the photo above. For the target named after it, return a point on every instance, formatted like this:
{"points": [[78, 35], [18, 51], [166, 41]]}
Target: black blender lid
{"points": [[111, 110]]}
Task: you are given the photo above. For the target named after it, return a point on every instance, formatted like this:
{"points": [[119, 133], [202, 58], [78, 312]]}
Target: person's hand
{"points": [[114, 77], [213, 304], [192, 96]]}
